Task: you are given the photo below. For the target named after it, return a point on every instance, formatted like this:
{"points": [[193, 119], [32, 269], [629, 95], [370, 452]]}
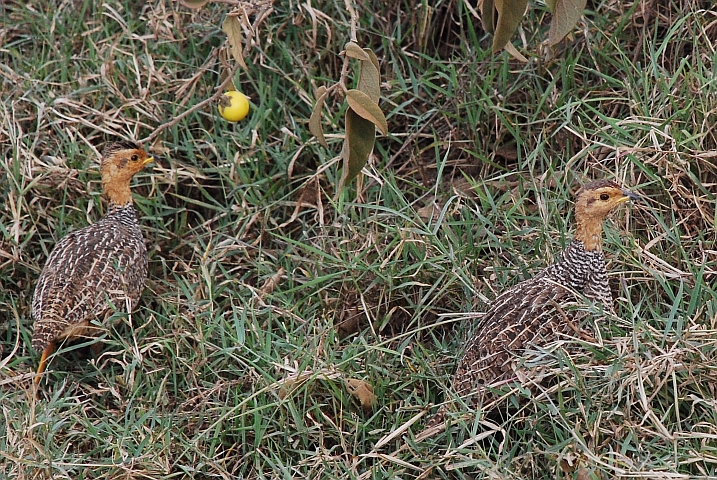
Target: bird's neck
{"points": [[589, 232], [118, 193]]}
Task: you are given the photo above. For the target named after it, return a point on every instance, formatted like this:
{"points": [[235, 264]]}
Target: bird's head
{"points": [[120, 162], [593, 203]]}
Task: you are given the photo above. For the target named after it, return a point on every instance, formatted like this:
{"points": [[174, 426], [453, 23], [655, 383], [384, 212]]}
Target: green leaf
{"points": [[315, 120], [373, 57], [566, 14], [358, 144], [487, 15], [354, 51], [194, 3], [366, 108], [232, 27], [510, 14], [369, 78]]}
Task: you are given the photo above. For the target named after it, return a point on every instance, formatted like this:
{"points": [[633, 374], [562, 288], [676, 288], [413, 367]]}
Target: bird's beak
{"points": [[629, 196], [147, 160]]}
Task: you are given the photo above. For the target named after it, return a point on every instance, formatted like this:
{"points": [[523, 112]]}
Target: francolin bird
{"points": [[534, 312], [95, 268]]}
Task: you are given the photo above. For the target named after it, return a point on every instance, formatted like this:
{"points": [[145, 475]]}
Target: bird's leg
{"points": [[43, 361]]}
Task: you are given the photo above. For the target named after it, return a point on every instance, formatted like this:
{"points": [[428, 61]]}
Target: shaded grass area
{"points": [[268, 292]]}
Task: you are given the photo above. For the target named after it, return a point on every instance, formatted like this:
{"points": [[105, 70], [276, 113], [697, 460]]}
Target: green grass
{"points": [[268, 291]]}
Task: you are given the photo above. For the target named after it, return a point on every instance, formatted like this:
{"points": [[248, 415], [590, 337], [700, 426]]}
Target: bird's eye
{"points": [[604, 196], [135, 158]]}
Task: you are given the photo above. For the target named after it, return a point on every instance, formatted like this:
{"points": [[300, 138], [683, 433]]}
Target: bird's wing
{"points": [[526, 313], [104, 262]]}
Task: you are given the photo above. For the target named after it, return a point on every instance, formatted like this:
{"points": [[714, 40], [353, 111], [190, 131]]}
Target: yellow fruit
{"points": [[233, 106]]}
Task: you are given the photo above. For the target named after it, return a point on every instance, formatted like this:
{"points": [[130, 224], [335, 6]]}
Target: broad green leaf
{"points": [[358, 144], [365, 107], [566, 14], [315, 120], [232, 27], [372, 56], [354, 51], [487, 15], [369, 78], [194, 3], [510, 14]]}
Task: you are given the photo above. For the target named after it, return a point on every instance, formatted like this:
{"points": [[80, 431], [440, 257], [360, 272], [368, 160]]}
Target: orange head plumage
{"points": [[120, 162], [593, 203]]}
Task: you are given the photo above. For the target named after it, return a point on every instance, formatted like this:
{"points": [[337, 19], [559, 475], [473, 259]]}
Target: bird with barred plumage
{"points": [[96, 269], [536, 311]]}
